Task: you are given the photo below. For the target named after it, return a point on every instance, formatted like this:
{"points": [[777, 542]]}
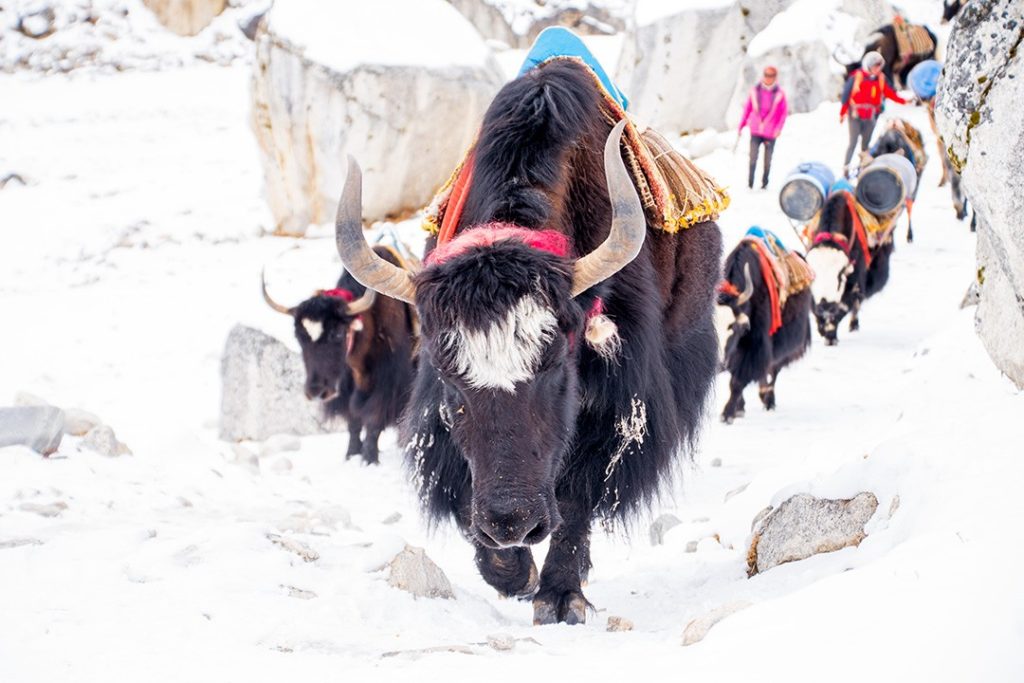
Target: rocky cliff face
{"points": [[978, 112]]}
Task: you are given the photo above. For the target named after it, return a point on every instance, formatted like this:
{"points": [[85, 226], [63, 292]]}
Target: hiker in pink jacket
{"points": [[765, 113]]}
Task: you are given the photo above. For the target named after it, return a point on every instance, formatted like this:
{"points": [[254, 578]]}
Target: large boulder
{"points": [[979, 118], [41, 428], [186, 17], [262, 389], [517, 24], [400, 86]]}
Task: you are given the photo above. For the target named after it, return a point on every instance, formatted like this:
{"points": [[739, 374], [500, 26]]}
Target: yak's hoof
{"points": [[854, 325], [553, 608], [727, 419], [769, 401], [371, 460]]}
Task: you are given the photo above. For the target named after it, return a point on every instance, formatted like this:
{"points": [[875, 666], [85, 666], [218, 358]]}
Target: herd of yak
{"points": [[548, 364]]}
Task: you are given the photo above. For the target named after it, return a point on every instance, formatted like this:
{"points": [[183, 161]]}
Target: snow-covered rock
{"points": [[78, 422], [102, 440], [697, 628], [978, 115], [262, 384], [804, 525], [661, 526], [38, 427], [517, 23], [186, 17], [401, 86], [412, 571]]}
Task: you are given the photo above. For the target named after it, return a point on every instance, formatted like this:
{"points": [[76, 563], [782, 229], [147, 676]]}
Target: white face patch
{"points": [[314, 328], [830, 271], [723, 320], [508, 351]]}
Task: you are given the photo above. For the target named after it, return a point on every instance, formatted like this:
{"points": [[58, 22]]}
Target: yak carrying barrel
{"points": [[803, 194], [885, 183]]}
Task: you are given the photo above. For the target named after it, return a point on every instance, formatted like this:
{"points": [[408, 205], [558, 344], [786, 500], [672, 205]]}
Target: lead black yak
{"points": [[847, 269], [528, 418], [358, 352], [764, 336]]}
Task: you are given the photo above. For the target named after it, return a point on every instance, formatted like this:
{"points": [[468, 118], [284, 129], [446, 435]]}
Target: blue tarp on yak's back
{"points": [[924, 78], [556, 41]]}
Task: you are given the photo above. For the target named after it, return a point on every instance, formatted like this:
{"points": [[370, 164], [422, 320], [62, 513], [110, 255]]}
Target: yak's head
{"points": [[324, 327], [950, 10], [501, 327], [832, 269], [732, 314]]}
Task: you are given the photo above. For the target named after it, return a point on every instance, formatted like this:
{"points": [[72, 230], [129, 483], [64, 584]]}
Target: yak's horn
{"points": [[359, 259], [266, 296], [748, 289], [363, 303], [629, 226]]}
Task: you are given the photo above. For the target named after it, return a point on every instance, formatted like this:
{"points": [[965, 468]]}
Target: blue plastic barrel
{"points": [[805, 189], [924, 78]]}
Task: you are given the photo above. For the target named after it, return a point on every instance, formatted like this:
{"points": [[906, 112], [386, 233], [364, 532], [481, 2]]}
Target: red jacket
{"points": [[864, 93]]}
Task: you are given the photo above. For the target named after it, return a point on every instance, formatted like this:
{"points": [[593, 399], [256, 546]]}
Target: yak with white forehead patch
{"points": [[568, 347], [358, 351], [846, 273]]}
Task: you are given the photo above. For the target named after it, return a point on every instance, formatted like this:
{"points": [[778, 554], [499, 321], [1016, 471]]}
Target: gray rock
{"points": [[19, 542], [313, 105], [517, 24], [393, 518], [45, 509], [78, 422], [699, 627], [502, 642], [41, 428], [103, 440], [412, 571], [981, 88], [803, 526], [660, 527], [262, 389]]}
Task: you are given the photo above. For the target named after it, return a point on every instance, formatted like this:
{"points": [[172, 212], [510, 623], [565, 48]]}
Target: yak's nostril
{"points": [[537, 534]]}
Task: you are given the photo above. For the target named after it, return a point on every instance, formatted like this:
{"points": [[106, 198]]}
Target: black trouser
{"points": [[769, 144], [861, 128]]}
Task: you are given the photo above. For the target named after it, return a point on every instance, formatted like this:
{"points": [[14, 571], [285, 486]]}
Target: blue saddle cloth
{"points": [[769, 238], [557, 41]]}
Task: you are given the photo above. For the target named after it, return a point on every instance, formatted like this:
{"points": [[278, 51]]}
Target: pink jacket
{"points": [[765, 111]]}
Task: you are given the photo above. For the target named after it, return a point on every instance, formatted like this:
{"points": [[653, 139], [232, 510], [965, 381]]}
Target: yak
{"points": [[757, 346], [567, 343], [901, 138], [358, 351], [847, 270], [884, 42]]}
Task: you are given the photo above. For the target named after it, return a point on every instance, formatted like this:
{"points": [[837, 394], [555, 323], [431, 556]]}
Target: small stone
{"points": [[46, 510], [717, 462], [699, 627], [299, 593], [661, 526], [619, 624], [894, 505], [281, 465], [736, 491], [102, 440], [393, 518], [19, 542], [294, 546], [414, 572], [38, 427], [691, 546], [280, 443], [804, 525], [78, 422], [502, 642]]}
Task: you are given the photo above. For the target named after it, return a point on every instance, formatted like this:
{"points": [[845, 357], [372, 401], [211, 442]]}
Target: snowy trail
{"points": [[160, 565]]}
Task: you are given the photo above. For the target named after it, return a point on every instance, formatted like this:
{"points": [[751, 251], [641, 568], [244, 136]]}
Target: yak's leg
{"points": [[371, 452], [560, 597], [355, 442], [766, 389], [735, 406], [855, 316], [510, 570]]}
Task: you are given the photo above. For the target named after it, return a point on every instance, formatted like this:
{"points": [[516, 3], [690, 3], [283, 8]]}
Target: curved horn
{"points": [[270, 302], [629, 226], [359, 259], [363, 303], [748, 289]]}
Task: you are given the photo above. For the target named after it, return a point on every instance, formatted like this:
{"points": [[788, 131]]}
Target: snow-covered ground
{"points": [[137, 244]]}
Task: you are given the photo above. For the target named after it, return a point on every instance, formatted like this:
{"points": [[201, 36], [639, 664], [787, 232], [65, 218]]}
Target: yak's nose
{"points": [[513, 522]]}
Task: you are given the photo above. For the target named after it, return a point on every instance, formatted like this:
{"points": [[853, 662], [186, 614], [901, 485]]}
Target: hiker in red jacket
{"points": [[765, 113], [863, 97]]}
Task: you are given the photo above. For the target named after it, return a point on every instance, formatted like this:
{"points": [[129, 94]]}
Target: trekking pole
{"points": [[799, 234]]}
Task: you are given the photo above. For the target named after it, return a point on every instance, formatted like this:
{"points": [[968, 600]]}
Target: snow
{"points": [[808, 20], [521, 15], [346, 35], [137, 244], [650, 11]]}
